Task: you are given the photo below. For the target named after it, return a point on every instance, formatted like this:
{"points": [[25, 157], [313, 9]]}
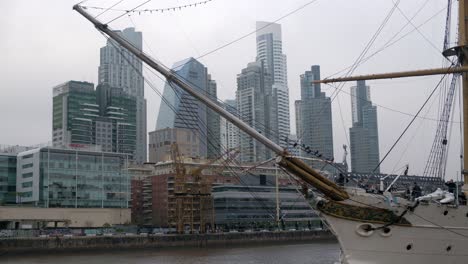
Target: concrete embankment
{"points": [[17, 245]]}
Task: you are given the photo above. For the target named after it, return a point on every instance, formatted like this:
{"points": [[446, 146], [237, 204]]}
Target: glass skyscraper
{"points": [[254, 104], [314, 121], [120, 69], [181, 110], [270, 52], [364, 136]]}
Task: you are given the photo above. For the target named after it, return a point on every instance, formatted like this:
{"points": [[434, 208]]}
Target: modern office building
{"points": [[70, 178], [250, 207], [229, 132], [105, 117], [74, 107], [8, 161], [364, 136], [7, 178], [270, 52], [188, 142], [254, 106], [181, 110], [314, 119], [213, 122], [120, 69], [293, 146]]}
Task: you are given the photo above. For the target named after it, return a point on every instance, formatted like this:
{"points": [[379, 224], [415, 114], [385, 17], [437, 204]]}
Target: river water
{"points": [[310, 253]]}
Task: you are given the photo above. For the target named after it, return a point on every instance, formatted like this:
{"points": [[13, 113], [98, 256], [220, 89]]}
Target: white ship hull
{"points": [[432, 237]]}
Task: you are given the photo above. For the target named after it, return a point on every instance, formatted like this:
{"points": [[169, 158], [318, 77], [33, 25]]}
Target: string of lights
{"points": [[157, 10]]}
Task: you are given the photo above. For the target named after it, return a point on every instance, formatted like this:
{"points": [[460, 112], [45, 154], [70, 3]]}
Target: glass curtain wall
{"points": [[84, 180]]}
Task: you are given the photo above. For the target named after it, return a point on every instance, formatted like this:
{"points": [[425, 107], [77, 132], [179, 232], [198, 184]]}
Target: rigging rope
{"points": [[410, 123], [140, 11]]}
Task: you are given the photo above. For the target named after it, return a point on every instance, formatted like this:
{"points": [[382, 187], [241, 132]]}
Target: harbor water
{"points": [[301, 253]]}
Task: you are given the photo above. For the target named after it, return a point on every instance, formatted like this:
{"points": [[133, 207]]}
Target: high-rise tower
{"points": [[270, 52], [181, 110], [229, 132], [121, 69], [314, 118], [363, 134], [105, 117], [254, 98]]}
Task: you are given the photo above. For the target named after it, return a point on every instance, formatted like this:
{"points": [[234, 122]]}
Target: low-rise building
{"points": [[72, 178], [159, 199], [249, 207]]}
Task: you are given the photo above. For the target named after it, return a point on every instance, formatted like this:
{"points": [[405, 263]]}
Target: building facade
{"points": [[213, 122], [229, 132], [105, 117], [154, 194], [254, 103], [270, 52], [364, 136], [188, 143], [181, 110], [120, 69], [7, 178], [314, 119], [254, 207], [70, 178]]}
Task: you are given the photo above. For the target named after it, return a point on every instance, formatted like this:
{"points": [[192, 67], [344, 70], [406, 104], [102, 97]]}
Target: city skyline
{"points": [[302, 51]]}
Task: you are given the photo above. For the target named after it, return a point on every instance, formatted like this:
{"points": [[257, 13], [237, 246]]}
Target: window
{"points": [[27, 184], [27, 156], [27, 175], [29, 165], [26, 194]]}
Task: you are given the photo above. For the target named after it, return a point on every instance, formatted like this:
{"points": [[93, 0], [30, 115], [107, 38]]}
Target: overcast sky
{"points": [[46, 43]]}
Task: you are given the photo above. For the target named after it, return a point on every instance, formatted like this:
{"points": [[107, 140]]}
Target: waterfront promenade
{"points": [[43, 244]]}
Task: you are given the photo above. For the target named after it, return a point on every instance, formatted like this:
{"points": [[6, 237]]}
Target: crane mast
{"points": [[285, 160]]}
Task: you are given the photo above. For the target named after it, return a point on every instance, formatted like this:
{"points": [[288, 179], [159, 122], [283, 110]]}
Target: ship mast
{"points": [[285, 160], [462, 52]]}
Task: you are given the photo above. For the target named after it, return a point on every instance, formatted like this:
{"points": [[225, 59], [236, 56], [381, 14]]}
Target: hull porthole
{"points": [[386, 232], [365, 230]]}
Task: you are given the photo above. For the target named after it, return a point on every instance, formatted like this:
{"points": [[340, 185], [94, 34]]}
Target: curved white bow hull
{"points": [[433, 237]]}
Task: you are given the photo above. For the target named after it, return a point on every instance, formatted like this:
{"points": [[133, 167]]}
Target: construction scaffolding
{"points": [[192, 208]]}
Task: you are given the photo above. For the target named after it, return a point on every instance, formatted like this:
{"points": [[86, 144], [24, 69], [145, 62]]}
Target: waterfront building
{"points": [[158, 199], [52, 177], [270, 52], [160, 141], [138, 173], [105, 117], [314, 119], [120, 69], [364, 137], [7, 178], [8, 163], [181, 110], [254, 106], [254, 207], [229, 132]]}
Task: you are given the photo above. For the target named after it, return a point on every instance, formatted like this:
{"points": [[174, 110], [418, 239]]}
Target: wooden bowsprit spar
{"points": [[285, 160]]}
